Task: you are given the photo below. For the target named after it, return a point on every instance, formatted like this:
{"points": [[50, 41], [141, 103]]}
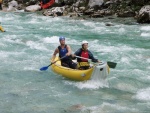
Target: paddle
{"points": [[46, 67], [110, 64]]}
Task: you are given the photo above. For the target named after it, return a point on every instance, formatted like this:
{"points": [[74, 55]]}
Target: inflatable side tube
{"points": [[47, 5]]}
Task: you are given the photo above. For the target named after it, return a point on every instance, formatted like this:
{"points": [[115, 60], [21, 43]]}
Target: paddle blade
{"points": [[44, 68], [111, 64]]}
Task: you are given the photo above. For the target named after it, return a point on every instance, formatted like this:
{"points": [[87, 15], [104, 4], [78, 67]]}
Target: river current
{"points": [[29, 42]]}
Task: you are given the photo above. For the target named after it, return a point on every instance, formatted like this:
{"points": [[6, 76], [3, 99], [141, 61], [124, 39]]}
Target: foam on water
{"points": [[107, 107], [122, 31], [143, 94], [8, 17], [25, 48], [4, 54], [89, 24], [90, 84], [145, 28], [33, 21], [53, 39], [145, 34], [145, 31], [112, 108], [12, 39], [35, 45]]}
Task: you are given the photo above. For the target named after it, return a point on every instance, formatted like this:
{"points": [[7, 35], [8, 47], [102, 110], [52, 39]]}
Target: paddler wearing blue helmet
{"points": [[64, 51]]}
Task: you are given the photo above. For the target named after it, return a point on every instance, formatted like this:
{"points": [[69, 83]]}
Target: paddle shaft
{"points": [[110, 64], [46, 67], [53, 63], [57, 60], [82, 58]]}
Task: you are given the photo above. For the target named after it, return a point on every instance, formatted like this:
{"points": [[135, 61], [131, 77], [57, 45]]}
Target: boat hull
{"points": [[73, 74]]}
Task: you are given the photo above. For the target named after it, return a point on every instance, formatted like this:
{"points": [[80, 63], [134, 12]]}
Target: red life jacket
{"points": [[84, 54]]}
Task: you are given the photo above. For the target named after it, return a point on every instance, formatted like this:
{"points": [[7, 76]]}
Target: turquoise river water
{"points": [[29, 42]]}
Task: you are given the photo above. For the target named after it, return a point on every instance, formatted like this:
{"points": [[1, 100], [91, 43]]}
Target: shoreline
{"points": [[112, 18], [108, 8]]}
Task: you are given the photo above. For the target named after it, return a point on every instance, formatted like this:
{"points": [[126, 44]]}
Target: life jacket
{"points": [[79, 54], [62, 52], [83, 63], [84, 54]]}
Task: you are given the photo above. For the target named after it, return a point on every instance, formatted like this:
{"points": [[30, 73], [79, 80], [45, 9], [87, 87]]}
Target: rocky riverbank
{"points": [[139, 9]]}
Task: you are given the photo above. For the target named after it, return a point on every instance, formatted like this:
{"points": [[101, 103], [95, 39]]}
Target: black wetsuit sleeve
{"points": [[78, 52], [92, 57]]}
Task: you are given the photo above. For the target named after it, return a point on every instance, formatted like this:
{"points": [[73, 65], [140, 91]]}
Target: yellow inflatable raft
{"points": [[80, 75], [1, 29]]}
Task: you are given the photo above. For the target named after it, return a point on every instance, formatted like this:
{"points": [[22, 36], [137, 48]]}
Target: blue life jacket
{"points": [[62, 52]]}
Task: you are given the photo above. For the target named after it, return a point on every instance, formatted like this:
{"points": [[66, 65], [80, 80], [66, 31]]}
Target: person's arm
{"points": [[92, 57], [76, 53], [54, 54], [69, 50]]}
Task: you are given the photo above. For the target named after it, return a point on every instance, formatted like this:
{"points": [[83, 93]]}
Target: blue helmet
{"points": [[61, 38]]}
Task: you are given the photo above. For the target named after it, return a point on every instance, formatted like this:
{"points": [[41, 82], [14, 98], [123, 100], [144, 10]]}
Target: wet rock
{"points": [[89, 12], [109, 12], [82, 8], [69, 2], [12, 6], [77, 107], [47, 13], [73, 14], [20, 6], [58, 11], [74, 108], [32, 2], [96, 15], [65, 13], [139, 2], [81, 3], [106, 12], [126, 14], [55, 11], [93, 3], [33, 8], [109, 24], [108, 3], [144, 15]]}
